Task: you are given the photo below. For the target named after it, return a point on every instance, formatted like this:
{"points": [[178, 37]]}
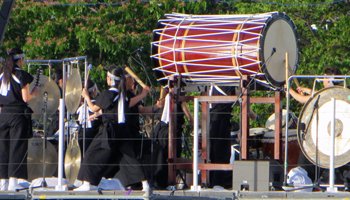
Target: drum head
{"points": [[270, 123], [314, 127], [257, 131], [278, 38]]}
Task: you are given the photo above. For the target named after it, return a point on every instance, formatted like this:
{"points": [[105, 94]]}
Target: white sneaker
{"points": [[4, 184], [86, 186], [145, 186], [13, 185]]}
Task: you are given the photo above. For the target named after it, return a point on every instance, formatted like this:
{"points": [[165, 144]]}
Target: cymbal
{"points": [[73, 90], [72, 160], [35, 159], [45, 86]]}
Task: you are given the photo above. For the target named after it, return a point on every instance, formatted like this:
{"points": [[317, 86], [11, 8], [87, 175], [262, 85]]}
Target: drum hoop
{"points": [[299, 122], [274, 17]]}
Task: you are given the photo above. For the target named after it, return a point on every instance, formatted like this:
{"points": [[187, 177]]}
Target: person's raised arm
{"points": [[139, 97], [92, 106], [299, 97]]}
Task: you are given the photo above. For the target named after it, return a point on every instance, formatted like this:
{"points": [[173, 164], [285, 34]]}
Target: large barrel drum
{"points": [[222, 48]]}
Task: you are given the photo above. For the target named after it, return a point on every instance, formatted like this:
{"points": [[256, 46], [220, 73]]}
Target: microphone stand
{"points": [[44, 183]]}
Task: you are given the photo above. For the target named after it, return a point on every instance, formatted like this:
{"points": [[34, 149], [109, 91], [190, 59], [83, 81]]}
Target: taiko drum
{"points": [[223, 48]]}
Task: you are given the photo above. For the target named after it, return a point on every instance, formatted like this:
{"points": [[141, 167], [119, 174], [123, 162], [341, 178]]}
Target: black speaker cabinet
{"points": [[256, 175]]}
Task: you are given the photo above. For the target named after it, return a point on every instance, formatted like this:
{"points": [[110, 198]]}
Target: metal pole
{"points": [[60, 186], [195, 186], [86, 76], [331, 158]]}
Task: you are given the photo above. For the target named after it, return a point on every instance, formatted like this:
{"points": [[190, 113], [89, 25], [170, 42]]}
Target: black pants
{"points": [[220, 150], [13, 145], [131, 171], [104, 155]]}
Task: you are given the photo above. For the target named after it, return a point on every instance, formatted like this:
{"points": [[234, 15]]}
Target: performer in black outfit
{"points": [[136, 108], [108, 147], [161, 138], [15, 120], [219, 133]]}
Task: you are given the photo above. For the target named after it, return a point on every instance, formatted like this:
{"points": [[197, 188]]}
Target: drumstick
{"points": [[162, 93], [87, 76], [288, 71], [296, 82], [287, 68], [133, 75]]}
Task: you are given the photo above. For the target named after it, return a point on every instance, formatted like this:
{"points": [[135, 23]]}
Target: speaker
{"points": [[256, 175]]}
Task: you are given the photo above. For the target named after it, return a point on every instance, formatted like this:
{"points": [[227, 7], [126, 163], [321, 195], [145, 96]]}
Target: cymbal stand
{"points": [[44, 111], [43, 182]]}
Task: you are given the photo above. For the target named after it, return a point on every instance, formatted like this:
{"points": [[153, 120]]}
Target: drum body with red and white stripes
{"points": [[223, 48]]}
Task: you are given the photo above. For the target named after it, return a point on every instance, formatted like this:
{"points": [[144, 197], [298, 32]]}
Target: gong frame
{"points": [[316, 77], [65, 68]]}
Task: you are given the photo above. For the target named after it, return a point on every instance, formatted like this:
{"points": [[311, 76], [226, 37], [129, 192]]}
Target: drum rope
{"points": [[174, 43]]}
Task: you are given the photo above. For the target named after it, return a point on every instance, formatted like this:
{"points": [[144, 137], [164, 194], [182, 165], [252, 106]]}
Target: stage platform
{"points": [[207, 194]]}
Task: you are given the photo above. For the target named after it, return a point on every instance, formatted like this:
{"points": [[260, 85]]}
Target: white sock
{"points": [[4, 183], [13, 184], [86, 186], [145, 185]]}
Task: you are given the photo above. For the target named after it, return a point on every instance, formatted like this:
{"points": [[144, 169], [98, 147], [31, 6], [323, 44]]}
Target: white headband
{"points": [[18, 56], [113, 78]]}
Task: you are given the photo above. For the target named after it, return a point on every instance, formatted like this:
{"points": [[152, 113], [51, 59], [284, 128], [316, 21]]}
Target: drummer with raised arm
{"points": [[303, 94]]}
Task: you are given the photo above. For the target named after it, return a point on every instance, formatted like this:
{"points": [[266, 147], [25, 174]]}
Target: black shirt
{"points": [[132, 115], [108, 102], [14, 95], [219, 109]]}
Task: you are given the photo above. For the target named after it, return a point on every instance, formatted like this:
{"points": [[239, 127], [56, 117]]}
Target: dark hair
{"points": [[14, 51], [7, 67], [58, 75], [90, 83], [332, 71], [119, 72]]}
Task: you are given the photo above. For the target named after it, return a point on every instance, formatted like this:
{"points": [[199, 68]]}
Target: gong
{"points": [[72, 159], [314, 127], [73, 90]]}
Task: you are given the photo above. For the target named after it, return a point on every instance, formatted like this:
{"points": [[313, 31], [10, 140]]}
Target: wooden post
{"points": [[278, 126], [245, 118]]}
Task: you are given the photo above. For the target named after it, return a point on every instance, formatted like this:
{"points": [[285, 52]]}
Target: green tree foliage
{"points": [[110, 31]]}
